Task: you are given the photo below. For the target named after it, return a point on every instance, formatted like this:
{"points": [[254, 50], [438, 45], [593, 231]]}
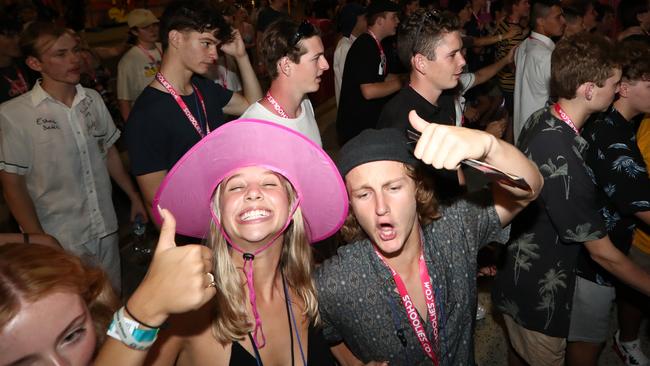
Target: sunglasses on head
{"points": [[305, 30], [433, 15]]}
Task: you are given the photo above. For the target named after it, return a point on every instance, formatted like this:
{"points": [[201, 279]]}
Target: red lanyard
{"points": [[278, 108], [383, 67], [412, 313], [186, 111], [148, 54], [20, 85], [565, 118]]}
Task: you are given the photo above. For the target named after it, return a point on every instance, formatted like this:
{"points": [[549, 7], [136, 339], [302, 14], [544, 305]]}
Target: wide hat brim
{"points": [[189, 186]]}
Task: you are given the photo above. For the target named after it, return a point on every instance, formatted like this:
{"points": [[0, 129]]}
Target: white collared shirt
{"points": [[532, 76], [61, 151]]}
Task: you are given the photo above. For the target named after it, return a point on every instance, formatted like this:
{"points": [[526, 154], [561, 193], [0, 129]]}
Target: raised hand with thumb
{"points": [[444, 147], [179, 279]]}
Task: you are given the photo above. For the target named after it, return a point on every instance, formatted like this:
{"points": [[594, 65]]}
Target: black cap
{"points": [[380, 6], [375, 145]]}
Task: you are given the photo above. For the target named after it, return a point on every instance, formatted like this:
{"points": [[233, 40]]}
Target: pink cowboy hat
{"points": [[189, 186]]}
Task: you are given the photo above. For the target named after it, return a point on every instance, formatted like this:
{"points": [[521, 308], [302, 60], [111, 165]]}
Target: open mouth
{"points": [[386, 231], [254, 215]]}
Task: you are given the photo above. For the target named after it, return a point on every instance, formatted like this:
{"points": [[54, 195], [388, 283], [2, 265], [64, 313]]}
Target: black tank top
{"points": [[318, 352]]}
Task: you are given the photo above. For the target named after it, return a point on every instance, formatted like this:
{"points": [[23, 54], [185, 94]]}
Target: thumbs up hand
{"points": [[179, 279], [444, 147]]}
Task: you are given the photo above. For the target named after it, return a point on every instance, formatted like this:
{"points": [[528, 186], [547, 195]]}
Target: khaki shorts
{"points": [[534, 347]]}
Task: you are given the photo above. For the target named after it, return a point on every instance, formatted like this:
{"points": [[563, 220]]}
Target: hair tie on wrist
{"points": [[128, 332], [138, 320]]}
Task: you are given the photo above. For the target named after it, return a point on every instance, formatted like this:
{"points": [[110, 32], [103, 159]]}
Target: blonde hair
{"points": [[230, 319]]}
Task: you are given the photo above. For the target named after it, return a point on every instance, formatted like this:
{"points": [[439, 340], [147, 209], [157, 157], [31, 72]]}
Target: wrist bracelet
{"points": [[127, 331], [138, 320], [25, 238]]}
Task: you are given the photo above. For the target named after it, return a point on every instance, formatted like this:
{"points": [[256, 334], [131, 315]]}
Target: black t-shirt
{"points": [[362, 66], [396, 112], [395, 66], [158, 134], [267, 16], [14, 81], [395, 115]]}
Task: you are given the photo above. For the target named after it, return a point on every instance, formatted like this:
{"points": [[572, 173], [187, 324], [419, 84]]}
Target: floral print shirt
{"points": [[359, 303], [535, 286], [623, 183]]}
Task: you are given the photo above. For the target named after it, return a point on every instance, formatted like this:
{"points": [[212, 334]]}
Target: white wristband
{"points": [[128, 332]]}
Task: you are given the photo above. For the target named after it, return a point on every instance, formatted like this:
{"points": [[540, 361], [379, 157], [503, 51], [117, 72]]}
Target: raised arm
{"points": [[251, 87], [489, 71], [497, 37], [444, 147], [176, 282]]}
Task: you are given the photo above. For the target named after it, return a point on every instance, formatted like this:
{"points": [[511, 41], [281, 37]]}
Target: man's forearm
{"points": [[20, 203], [615, 262], [252, 90], [119, 174], [125, 108], [488, 72], [508, 158], [382, 89], [149, 184]]}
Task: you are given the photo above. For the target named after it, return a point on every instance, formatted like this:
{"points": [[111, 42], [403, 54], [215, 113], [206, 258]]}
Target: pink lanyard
{"points": [[565, 118], [161, 79], [19, 83], [278, 108], [412, 313], [248, 269], [382, 55], [148, 54]]}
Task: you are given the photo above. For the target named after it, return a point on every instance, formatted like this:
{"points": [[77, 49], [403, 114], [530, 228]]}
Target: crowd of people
{"points": [[461, 125]]}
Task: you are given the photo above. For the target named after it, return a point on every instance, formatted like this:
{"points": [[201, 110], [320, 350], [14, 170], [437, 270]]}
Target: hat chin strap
{"points": [[248, 268]]}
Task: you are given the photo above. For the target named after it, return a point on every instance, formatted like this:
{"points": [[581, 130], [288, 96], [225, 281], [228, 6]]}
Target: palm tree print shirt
{"points": [[535, 287]]}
